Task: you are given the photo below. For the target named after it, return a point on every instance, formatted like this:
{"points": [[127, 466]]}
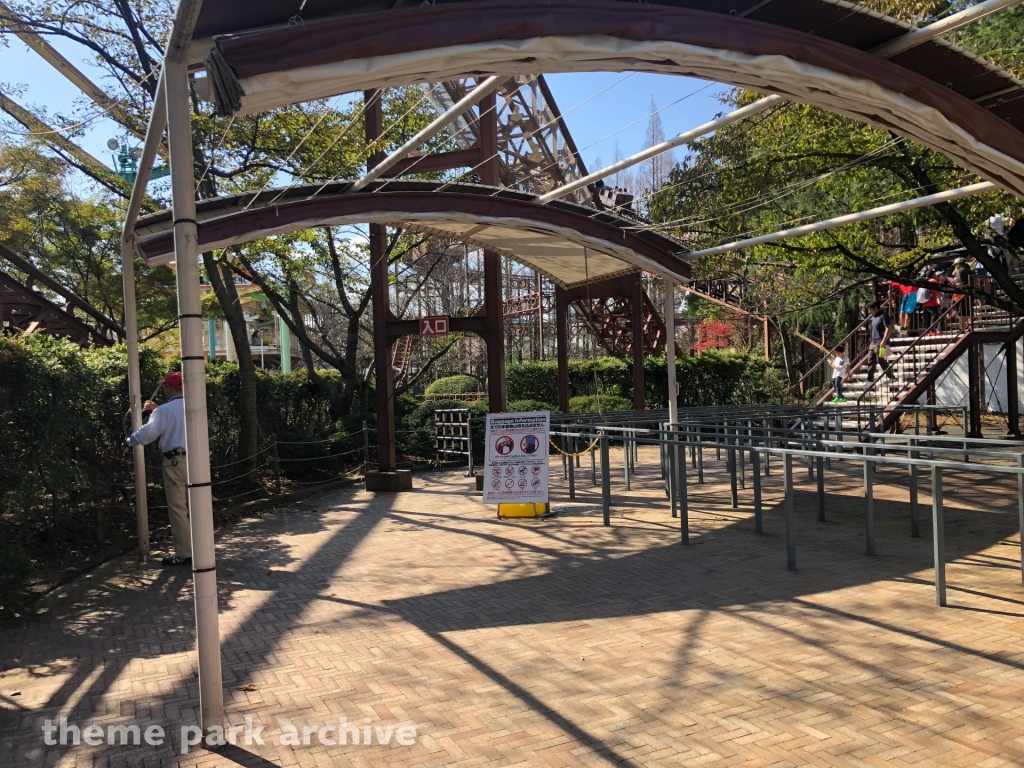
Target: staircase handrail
{"points": [[950, 311], [832, 351], [945, 359]]}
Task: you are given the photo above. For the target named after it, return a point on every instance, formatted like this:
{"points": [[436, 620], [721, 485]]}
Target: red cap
{"points": [[172, 379]]}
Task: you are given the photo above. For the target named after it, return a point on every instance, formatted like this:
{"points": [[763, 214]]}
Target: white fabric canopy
{"points": [[566, 256], [861, 99]]}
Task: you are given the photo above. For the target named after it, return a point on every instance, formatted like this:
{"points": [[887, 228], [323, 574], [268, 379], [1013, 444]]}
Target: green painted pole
{"points": [[284, 345]]}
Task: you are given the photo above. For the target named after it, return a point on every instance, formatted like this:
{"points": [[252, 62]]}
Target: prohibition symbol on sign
{"points": [[504, 445], [530, 444]]}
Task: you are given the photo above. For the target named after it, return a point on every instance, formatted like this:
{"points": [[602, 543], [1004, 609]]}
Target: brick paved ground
{"points": [[557, 643]]}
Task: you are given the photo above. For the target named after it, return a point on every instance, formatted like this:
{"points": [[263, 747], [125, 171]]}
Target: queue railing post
{"points": [[741, 441], [625, 459], [571, 440], [869, 500], [593, 467], [606, 481], [730, 461], [672, 477], [787, 472], [807, 441], [915, 529], [684, 508], [366, 448], [938, 538], [755, 461], [967, 433], [821, 487], [277, 468], [700, 453], [1020, 510]]}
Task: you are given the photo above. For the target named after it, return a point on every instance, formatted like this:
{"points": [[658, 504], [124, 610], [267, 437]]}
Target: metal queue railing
{"points": [[758, 436]]}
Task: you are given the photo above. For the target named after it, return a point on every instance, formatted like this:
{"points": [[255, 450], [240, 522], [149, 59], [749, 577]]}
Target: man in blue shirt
{"points": [[167, 425], [881, 327]]}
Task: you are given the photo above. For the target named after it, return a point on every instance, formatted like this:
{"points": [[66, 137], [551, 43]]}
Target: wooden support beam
{"points": [[493, 300], [562, 344], [637, 305], [380, 289], [1012, 393]]}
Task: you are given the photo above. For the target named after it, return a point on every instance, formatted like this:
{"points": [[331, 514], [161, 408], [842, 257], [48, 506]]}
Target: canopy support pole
{"points": [[683, 138], [193, 363], [380, 289], [494, 306], [157, 124], [562, 350], [670, 349], [637, 303], [916, 37], [850, 218]]}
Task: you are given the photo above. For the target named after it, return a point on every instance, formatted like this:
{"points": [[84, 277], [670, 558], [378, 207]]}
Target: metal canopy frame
{"points": [[476, 214], [262, 56], [810, 51]]}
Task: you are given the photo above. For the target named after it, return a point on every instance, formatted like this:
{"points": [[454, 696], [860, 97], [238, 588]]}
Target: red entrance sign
{"points": [[434, 326]]}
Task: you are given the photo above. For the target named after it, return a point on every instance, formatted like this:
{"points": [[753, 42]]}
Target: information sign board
{"points": [[516, 458]]}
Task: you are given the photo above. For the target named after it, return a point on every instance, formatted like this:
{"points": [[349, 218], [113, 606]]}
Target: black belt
{"points": [[174, 453]]}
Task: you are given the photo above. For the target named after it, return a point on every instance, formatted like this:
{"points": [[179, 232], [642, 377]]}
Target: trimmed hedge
{"points": [[526, 406], [66, 485], [599, 404], [454, 385], [711, 378]]}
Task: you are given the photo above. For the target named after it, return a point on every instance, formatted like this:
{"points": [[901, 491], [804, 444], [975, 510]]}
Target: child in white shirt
{"points": [[838, 371]]}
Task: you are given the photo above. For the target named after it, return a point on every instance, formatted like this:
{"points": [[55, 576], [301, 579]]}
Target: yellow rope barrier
{"points": [[584, 452]]}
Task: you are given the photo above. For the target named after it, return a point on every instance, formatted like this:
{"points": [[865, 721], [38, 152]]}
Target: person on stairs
{"points": [[167, 424], [881, 327], [838, 371]]}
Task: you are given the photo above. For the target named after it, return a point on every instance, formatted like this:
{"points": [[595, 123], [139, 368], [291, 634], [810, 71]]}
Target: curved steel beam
{"points": [[511, 224], [496, 37]]}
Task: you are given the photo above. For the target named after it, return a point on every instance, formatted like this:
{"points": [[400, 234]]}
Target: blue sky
{"points": [[684, 102]]}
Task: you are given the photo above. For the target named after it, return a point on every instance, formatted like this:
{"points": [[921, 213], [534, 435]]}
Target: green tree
{"points": [[74, 238], [314, 142]]}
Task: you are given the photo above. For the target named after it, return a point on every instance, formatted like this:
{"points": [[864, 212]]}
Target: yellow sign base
{"points": [[522, 510]]}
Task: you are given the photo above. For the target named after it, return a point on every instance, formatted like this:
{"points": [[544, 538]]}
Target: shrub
{"points": [[531, 381], [710, 378], [525, 406], [599, 404], [14, 564], [416, 431], [454, 385]]}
